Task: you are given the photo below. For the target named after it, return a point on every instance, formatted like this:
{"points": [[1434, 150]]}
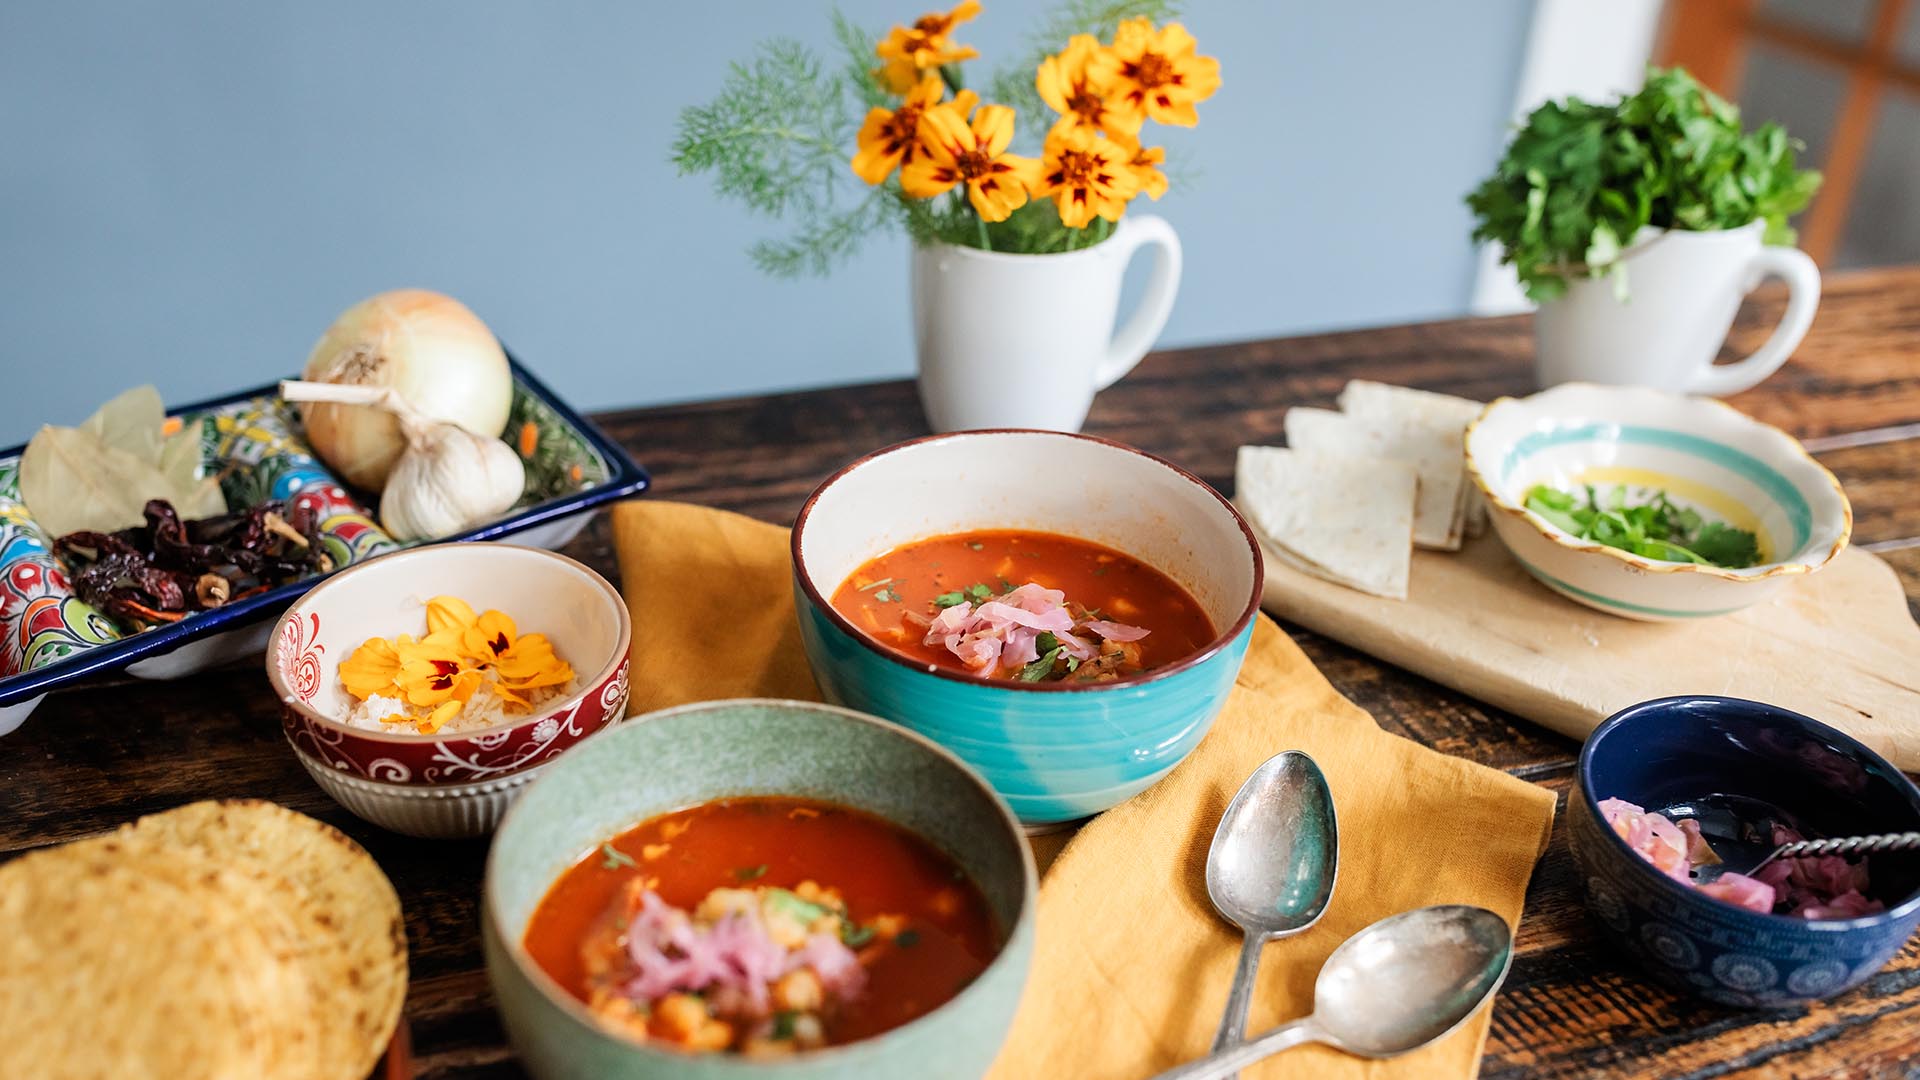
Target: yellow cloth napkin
{"points": [[1132, 965]]}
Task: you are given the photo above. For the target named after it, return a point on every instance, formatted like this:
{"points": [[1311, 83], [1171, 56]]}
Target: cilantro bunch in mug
{"points": [[929, 156], [1581, 181]]}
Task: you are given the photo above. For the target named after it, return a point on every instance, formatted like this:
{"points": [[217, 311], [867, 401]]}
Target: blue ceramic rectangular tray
{"points": [[571, 453]]}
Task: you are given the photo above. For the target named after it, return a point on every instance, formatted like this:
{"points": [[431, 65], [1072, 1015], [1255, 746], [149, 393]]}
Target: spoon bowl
{"points": [[1274, 857], [1410, 979]]}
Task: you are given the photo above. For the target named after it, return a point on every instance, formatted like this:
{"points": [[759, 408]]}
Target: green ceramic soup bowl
{"points": [[681, 757]]}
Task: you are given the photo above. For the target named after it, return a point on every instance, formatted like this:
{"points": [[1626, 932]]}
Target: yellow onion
{"points": [[430, 350]]}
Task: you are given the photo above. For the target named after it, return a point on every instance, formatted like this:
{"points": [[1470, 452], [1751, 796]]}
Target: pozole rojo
{"points": [[1023, 606], [763, 926]]}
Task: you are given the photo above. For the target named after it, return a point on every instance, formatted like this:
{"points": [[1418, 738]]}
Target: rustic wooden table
{"points": [[91, 758]]}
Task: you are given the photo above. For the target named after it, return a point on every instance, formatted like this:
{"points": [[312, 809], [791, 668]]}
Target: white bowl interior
{"points": [[1033, 480], [387, 597], [1703, 454]]}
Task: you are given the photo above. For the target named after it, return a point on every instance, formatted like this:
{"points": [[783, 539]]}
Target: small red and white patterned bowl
{"points": [[447, 784]]}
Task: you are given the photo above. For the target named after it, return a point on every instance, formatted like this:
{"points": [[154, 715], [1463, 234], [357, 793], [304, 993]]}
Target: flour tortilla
{"points": [[1435, 456], [1341, 517], [1362, 397]]}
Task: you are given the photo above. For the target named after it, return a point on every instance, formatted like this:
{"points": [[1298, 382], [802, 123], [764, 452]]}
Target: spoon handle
{"points": [[1844, 845], [1227, 1062], [1233, 1025]]}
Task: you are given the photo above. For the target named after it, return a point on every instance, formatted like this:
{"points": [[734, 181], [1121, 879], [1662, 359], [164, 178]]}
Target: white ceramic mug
{"points": [[1027, 340], [1683, 290]]}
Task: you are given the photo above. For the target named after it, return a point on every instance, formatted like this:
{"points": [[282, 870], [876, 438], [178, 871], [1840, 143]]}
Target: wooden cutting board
{"points": [[1838, 645]]}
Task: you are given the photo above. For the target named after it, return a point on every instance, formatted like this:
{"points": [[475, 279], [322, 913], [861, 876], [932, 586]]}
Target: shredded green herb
{"points": [[853, 935], [977, 593], [872, 585], [750, 873], [1042, 667], [1656, 529], [612, 858], [887, 596], [783, 1025], [907, 939]]}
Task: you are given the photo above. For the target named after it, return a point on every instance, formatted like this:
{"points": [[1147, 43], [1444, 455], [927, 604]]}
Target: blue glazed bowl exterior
{"points": [[1055, 757], [1676, 749]]}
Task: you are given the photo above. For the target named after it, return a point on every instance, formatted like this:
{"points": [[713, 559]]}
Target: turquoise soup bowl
{"points": [[1057, 752], [682, 757]]}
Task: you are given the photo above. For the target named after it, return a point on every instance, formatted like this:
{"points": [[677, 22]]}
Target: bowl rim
{"points": [[557, 995], [1762, 572], [1220, 642], [1584, 781], [622, 646]]}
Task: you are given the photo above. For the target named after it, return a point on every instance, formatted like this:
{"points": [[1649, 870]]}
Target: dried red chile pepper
{"points": [[168, 568]]}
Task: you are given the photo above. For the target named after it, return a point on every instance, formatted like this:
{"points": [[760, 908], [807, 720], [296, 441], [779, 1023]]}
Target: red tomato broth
{"points": [[878, 867], [1118, 586]]}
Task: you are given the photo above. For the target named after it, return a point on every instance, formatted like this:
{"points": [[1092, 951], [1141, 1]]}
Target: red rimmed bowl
{"points": [[447, 784]]}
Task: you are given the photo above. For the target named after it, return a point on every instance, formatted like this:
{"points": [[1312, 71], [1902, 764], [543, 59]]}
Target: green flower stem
{"points": [[986, 242]]}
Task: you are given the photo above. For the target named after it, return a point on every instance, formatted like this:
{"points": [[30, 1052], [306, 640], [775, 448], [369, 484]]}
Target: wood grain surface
{"points": [[1839, 645], [91, 758]]}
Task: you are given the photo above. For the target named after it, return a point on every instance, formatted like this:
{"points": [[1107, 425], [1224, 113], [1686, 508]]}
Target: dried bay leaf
{"points": [[99, 476], [130, 422], [70, 481]]}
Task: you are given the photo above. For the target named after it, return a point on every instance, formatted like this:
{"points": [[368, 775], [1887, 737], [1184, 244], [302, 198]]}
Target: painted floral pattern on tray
{"points": [[41, 620]]}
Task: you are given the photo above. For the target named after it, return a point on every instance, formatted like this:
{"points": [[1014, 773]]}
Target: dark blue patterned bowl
{"points": [[1751, 761]]}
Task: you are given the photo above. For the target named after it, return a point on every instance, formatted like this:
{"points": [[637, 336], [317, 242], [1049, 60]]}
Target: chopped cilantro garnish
{"points": [[1042, 667], [783, 1023], [853, 935], [907, 939], [949, 599], [887, 596], [612, 858], [979, 592], [749, 873], [1046, 642], [1656, 529]]}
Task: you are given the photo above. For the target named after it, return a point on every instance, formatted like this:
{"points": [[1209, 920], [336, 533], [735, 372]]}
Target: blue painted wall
{"points": [[190, 191]]}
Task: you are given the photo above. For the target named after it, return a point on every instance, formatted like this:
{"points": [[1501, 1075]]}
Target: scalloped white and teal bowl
{"points": [[1705, 454], [1057, 752], [681, 757]]}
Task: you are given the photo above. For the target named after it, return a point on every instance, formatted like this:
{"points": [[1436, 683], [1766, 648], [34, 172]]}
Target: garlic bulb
{"points": [[445, 478], [449, 480], [431, 351]]}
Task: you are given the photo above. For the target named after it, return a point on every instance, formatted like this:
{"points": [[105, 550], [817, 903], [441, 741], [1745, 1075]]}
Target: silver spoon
{"points": [[1271, 868], [1394, 987], [1738, 858]]}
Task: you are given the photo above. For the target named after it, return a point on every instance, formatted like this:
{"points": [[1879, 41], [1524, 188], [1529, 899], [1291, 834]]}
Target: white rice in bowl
{"points": [[484, 710]]}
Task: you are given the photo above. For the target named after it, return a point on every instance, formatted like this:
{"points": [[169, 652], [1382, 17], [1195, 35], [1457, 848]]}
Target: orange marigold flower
{"points": [[1062, 82], [1148, 74], [890, 139], [371, 669], [974, 155], [1144, 162], [1086, 174], [925, 44]]}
